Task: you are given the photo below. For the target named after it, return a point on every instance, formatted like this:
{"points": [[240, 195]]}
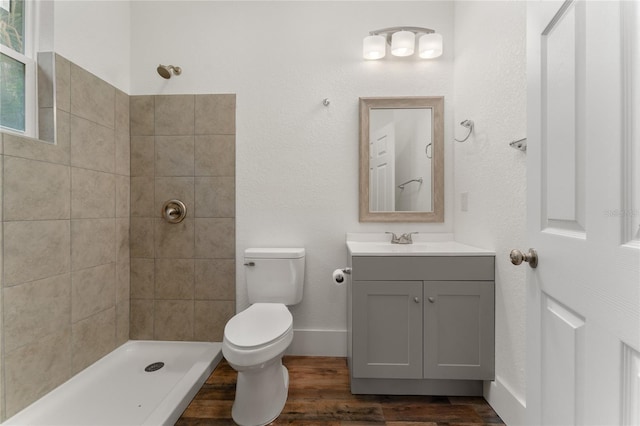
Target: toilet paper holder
{"points": [[338, 275]]}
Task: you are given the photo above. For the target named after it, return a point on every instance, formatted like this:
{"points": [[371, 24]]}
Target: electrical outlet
{"points": [[464, 201]]}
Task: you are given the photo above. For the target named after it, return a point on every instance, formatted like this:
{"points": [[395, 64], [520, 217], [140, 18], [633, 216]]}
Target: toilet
{"points": [[255, 339]]}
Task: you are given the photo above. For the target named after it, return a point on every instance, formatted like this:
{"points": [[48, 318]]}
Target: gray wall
{"points": [[65, 220]]}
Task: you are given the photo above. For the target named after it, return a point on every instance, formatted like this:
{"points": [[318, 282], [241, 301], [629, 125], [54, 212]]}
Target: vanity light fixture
{"points": [[403, 42]]}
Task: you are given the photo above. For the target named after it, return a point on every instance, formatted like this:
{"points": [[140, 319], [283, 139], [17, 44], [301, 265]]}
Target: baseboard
{"points": [[319, 343], [510, 408]]}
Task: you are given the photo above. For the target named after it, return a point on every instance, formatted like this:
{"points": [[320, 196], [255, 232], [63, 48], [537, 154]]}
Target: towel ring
{"points": [[469, 125]]}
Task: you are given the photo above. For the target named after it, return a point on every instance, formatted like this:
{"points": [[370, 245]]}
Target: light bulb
{"points": [[403, 43], [374, 47], [430, 45]]}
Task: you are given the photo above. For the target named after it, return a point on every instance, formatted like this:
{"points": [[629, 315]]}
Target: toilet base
{"points": [[260, 394]]}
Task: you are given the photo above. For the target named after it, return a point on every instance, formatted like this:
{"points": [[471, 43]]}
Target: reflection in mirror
{"points": [[400, 141], [401, 155]]}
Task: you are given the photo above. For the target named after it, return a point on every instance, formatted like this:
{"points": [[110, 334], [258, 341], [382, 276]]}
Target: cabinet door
{"points": [[459, 330], [387, 329]]}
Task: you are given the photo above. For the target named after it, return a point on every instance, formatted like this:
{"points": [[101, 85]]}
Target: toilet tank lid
{"points": [[274, 253]]}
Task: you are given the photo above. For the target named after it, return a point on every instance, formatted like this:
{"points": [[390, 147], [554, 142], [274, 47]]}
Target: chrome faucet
{"points": [[402, 239]]}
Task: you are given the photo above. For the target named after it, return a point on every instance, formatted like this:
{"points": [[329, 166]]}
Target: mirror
{"points": [[402, 159]]}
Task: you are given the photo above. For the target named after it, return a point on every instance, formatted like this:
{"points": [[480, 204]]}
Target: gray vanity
{"points": [[421, 318]]}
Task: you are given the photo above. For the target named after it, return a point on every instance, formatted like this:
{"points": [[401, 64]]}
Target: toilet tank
{"points": [[274, 275]]}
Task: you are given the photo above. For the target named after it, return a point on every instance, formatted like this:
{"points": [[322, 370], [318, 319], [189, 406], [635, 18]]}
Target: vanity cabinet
{"points": [[387, 325], [421, 324]]}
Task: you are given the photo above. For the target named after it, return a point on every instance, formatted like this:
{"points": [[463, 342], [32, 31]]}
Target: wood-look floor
{"points": [[319, 395]]}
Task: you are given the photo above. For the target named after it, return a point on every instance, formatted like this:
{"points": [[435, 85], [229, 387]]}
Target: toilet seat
{"points": [[258, 325], [259, 334]]}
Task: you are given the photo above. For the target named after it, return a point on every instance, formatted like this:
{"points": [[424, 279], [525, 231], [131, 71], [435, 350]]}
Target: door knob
{"points": [[531, 257]]}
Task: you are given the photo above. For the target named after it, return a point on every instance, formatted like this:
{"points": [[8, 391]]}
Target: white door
{"points": [[382, 169], [583, 299]]}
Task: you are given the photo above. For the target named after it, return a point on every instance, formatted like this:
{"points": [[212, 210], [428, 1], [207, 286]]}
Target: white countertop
{"points": [[423, 245]]}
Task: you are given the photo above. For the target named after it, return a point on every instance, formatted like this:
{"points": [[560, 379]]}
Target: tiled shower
{"points": [[182, 275], [87, 261]]}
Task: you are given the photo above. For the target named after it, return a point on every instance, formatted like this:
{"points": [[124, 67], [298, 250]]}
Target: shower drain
{"points": [[154, 367]]}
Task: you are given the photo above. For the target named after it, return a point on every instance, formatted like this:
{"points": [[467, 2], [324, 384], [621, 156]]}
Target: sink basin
{"points": [[420, 248]]}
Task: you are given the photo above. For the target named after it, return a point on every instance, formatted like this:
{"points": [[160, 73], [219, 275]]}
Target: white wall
{"points": [[296, 160], [490, 86], [95, 35]]}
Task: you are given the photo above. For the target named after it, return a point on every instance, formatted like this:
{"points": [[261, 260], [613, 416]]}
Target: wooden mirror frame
{"points": [[436, 103]]}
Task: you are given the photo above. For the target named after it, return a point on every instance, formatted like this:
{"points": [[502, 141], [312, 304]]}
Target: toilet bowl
{"points": [[254, 343], [255, 339]]}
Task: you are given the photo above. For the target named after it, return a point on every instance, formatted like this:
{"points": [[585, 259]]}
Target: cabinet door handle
{"points": [[431, 299], [415, 299]]}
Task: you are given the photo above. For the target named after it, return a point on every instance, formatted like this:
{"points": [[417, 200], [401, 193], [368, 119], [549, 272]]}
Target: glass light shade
{"points": [[430, 45], [374, 47], [403, 43]]}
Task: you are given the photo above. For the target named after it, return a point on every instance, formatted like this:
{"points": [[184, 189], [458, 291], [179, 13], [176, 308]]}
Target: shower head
{"points": [[165, 71]]}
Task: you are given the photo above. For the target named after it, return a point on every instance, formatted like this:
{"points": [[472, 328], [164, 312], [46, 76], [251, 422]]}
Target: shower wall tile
{"points": [[122, 323], [123, 154], [35, 249], [63, 83], [142, 278], [169, 188], [93, 242], [141, 319], [92, 98], [92, 338], [92, 290], [93, 194], [23, 367], [17, 146], [174, 114], [122, 134], [215, 114], [142, 115], [174, 279], [141, 237], [215, 155], [142, 197], [123, 282], [185, 144], [176, 317], [63, 138], [56, 216], [215, 279], [215, 197], [215, 238], [36, 310], [2, 180], [142, 156], [123, 196], [123, 253], [92, 145], [210, 319], [174, 240], [122, 113], [174, 155], [35, 190]]}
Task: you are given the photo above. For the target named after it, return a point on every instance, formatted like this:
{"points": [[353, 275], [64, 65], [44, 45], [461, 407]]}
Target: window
{"points": [[17, 67]]}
